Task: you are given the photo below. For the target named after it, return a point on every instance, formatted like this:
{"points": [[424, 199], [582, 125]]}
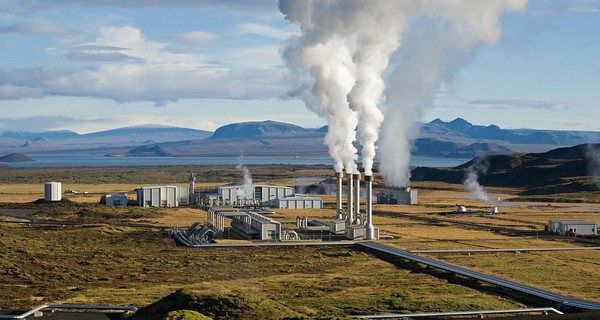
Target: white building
{"points": [[565, 227], [162, 196], [299, 202], [116, 200], [259, 194], [52, 191]]}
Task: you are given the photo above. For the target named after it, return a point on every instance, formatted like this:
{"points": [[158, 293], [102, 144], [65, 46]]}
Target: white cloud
{"points": [[519, 104], [10, 92], [135, 69], [265, 30], [195, 38], [38, 30]]}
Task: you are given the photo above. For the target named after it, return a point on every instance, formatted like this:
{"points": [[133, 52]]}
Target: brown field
{"points": [[121, 265]]}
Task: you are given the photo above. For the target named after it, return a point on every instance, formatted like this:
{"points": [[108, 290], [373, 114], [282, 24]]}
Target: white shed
{"points": [[565, 227], [299, 202], [161, 196], [260, 193]]}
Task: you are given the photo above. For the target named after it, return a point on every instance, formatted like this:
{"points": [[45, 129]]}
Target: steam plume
{"points": [[592, 154], [345, 48], [247, 188], [478, 167]]}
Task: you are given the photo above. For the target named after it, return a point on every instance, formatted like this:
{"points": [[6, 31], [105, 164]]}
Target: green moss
{"points": [[235, 305], [186, 315]]}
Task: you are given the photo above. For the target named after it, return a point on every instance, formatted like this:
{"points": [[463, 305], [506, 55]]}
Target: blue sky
{"points": [[91, 65]]}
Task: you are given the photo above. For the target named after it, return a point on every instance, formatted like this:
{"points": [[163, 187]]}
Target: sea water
{"points": [[102, 161]]}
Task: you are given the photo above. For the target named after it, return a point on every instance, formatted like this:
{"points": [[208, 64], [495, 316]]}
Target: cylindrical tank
{"points": [[52, 191]]}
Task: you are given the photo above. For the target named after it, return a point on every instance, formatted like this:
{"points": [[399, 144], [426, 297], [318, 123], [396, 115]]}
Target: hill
{"points": [[457, 138], [228, 306], [247, 130], [560, 170], [15, 157], [148, 151]]}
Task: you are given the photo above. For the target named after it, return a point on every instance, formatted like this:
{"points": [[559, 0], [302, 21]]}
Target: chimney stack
{"points": [[350, 213], [356, 218], [369, 228], [338, 196]]}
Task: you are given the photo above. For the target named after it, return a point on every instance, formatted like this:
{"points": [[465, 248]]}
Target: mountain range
{"points": [[457, 138]]}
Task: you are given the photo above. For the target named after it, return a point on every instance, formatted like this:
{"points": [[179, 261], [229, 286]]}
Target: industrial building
{"points": [[299, 202], [260, 194], [392, 195], [116, 200], [250, 224], [162, 196], [565, 227], [52, 191]]}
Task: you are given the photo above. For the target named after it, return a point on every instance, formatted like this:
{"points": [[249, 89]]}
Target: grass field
{"points": [[103, 263]]}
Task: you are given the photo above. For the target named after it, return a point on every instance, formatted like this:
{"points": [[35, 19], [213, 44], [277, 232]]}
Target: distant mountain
{"points": [[457, 138], [461, 129], [15, 157], [147, 133], [247, 130], [559, 170], [36, 136]]}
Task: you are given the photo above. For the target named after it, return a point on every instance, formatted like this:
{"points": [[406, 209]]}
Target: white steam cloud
{"points": [[346, 48], [245, 192], [479, 166], [592, 154]]}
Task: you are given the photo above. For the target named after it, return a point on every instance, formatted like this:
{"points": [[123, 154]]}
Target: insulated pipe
{"points": [[338, 196], [350, 213], [370, 230], [356, 219]]}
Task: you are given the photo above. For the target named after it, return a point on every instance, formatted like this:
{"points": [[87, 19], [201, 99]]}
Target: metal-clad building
{"points": [[397, 196], [262, 194], [565, 227], [299, 202], [116, 200], [162, 196], [52, 191]]}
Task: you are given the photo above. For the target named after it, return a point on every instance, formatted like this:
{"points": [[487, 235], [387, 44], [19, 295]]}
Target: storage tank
{"points": [[52, 191]]}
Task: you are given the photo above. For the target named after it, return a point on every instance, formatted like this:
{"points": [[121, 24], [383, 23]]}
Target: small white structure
{"points": [[299, 202], [392, 195], [52, 191], [162, 196], [259, 194], [116, 200], [565, 227]]}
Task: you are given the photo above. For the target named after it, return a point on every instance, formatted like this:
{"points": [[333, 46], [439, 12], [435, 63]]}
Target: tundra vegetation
{"points": [[124, 256]]}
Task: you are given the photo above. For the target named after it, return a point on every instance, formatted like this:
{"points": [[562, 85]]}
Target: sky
{"points": [[92, 65]]}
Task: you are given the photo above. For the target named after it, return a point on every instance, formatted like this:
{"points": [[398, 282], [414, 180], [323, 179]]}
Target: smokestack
{"points": [[370, 230], [192, 181], [350, 213], [356, 219], [338, 196]]}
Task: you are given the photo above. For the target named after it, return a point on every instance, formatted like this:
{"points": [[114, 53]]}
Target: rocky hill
{"points": [[559, 170]]}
